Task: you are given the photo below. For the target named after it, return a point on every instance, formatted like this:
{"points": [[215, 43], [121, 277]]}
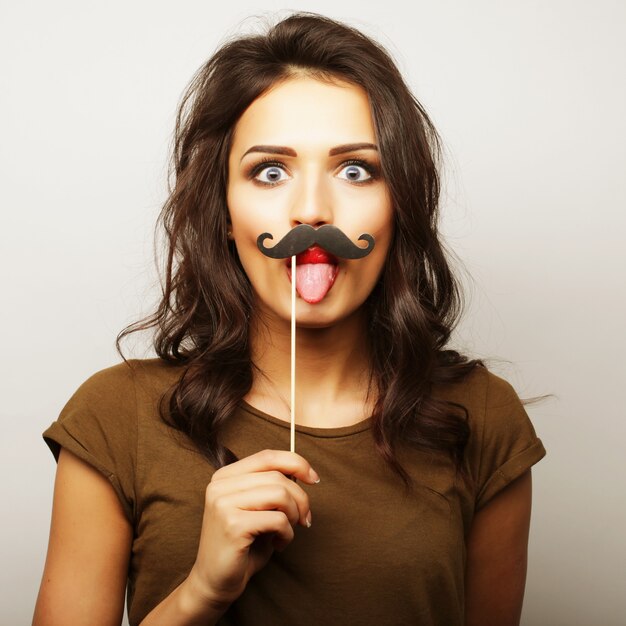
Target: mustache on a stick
{"points": [[328, 237]]}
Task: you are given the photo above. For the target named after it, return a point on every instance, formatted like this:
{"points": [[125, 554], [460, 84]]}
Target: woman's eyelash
{"points": [[262, 164], [370, 168], [266, 162]]}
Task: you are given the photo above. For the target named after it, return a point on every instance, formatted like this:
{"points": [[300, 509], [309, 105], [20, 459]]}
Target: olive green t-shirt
{"points": [[374, 554]]}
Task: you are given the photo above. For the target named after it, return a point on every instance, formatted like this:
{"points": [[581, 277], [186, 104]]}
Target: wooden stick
{"points": [[293, 354]]}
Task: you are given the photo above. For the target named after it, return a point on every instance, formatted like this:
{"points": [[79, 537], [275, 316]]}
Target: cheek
{"points": [[378, 264], [239, 204], [383, 237], [374, 215], [381, 225], [251, 215]]}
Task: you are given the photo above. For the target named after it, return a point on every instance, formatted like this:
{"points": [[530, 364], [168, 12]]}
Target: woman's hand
{"points": [[251, 507]]}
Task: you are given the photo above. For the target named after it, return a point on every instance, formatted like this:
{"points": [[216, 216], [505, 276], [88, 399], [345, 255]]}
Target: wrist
{"points": [[188, 605], [196, 599]]}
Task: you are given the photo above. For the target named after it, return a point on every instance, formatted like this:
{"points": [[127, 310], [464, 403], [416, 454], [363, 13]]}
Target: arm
{"points": [[84, 577], [496, 557]]}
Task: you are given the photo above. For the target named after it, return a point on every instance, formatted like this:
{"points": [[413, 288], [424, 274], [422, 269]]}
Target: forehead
{"points": [[307, 112]]}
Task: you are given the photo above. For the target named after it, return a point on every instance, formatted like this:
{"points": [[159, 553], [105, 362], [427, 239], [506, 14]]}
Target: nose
{"points": [[311, 203]]}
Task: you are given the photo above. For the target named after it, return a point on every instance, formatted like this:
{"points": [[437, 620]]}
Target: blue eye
{"points": [[357, 171], [268, 173]]}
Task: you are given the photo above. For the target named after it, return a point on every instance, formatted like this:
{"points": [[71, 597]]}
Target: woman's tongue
{"points": [[313, 280]]}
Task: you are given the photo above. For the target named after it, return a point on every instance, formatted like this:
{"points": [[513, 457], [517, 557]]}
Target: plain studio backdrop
{"points": [[529, 98]]}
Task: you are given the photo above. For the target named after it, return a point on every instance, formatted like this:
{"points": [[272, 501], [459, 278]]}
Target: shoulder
{"points": [[118, 385], [479, 392], [99, 423], [103, 410], [493, 409], [112, 382], [502, 443]]}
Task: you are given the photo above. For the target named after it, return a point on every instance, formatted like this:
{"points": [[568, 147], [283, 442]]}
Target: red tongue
{"points": [[313, 280]]}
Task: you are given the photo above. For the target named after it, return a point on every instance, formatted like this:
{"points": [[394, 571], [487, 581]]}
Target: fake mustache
{"points": [[328, 237]]}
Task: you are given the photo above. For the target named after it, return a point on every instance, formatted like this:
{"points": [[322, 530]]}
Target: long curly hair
{"points": [[202, 321]]}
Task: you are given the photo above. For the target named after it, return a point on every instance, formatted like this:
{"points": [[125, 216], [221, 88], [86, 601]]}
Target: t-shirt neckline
{"points": [[338, 431]]}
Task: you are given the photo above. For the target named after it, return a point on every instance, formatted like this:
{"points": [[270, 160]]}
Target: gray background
{"points": [[530, 100]]}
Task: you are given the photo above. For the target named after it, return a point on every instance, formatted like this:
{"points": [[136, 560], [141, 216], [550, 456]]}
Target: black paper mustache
{"points": [[303, 236]]}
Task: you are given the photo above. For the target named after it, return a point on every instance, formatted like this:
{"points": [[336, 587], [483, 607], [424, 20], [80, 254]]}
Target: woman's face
{"points": [[298, 157]]}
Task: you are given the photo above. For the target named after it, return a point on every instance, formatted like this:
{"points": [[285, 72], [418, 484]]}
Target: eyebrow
{"points": [[346, 147]]}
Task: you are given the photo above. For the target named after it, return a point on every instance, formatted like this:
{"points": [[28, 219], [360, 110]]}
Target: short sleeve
{"points": [[507, 443], [99, 425]]}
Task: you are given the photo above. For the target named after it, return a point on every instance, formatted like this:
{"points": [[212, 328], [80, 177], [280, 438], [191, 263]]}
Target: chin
{"points": [[316, 321]]}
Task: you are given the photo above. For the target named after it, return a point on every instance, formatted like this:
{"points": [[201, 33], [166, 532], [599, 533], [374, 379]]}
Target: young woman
{"points": [[408, 498]]}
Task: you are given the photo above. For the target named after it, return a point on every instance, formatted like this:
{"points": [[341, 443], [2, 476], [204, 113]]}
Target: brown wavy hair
{"points": [[202, 321]]}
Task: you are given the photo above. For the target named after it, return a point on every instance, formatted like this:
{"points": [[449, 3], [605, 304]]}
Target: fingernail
{"points": [[314, 476], [309, 519]]}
